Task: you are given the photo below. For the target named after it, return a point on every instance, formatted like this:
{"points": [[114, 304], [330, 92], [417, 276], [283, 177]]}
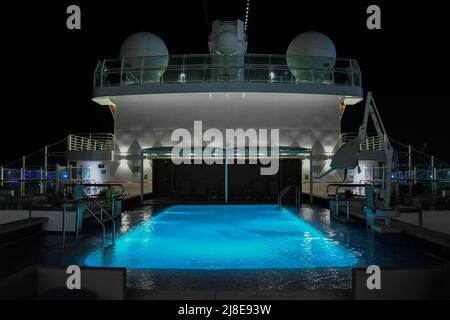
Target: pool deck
{"points": [[46, 249], [435, 230]]}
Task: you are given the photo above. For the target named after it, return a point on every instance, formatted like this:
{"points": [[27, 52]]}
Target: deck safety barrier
{"points": [[90, 142], [226, 68], [371, 142]]}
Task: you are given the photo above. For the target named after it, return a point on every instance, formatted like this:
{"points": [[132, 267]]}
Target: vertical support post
{"points": [[45, 168], [69, 172], [22, 177], [433, 178], [397, 183], [409, 169], [311, 171], [348, 211], [435, 175], [121, 71], [432, 168], [79, 208], [226, 175], [41, 183], [414, 175], [142, 176], [1, 176], [113, 207]]}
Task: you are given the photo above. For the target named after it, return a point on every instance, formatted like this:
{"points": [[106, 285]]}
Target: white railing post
{"points": [[41, 183], [69, 172], [69, 143]]}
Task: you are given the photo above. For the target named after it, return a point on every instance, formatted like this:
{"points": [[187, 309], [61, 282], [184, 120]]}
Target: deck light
{"points": [[272, 76]]}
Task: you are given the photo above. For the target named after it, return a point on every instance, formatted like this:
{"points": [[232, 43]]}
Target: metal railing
{"points": [[220, 68], [337, 197], [284, 191], [90, 142], [84, 200], [371, 142]]}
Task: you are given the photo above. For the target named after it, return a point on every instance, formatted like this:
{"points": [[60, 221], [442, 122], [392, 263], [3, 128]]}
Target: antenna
{"points": [[247, 10]]}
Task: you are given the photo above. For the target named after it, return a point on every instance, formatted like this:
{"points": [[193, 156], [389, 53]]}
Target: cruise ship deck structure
{"points": [[244, 149]]}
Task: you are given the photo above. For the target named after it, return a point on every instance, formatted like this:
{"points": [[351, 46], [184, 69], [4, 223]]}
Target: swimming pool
{"points": [[222, 237]]}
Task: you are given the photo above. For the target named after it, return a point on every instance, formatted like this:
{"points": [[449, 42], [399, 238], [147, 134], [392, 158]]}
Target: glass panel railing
{"points": [[218, 68]]}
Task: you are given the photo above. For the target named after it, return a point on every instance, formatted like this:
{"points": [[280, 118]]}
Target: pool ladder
{"points": [[82, 202], [285, 190]]}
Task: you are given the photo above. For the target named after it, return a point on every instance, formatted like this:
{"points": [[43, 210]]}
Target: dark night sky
{"points": [[49, 68]]}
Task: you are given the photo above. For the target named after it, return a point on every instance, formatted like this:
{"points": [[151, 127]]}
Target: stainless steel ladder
{"points": [[82, 202], [285, 190]]}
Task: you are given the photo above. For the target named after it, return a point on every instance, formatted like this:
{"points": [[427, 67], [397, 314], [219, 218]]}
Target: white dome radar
{"points": [[309, 53], [143, 44], [150, 48]]}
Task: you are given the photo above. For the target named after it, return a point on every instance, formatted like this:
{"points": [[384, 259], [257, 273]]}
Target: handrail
{"points": [[284, 191], [81, 201], [70, 185], [335, 197], [102, 209], [90, 142]]}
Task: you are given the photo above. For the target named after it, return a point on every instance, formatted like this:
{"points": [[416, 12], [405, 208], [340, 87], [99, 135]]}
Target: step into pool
{"points": [[223, 237]]}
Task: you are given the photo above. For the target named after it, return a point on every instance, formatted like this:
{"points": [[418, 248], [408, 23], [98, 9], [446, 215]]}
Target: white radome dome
{"points": [[143, 44], [312, 43], [150, 46], [308, 54]]}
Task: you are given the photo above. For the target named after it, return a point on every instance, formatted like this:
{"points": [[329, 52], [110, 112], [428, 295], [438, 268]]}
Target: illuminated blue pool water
{"points": [[224, 237]]}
